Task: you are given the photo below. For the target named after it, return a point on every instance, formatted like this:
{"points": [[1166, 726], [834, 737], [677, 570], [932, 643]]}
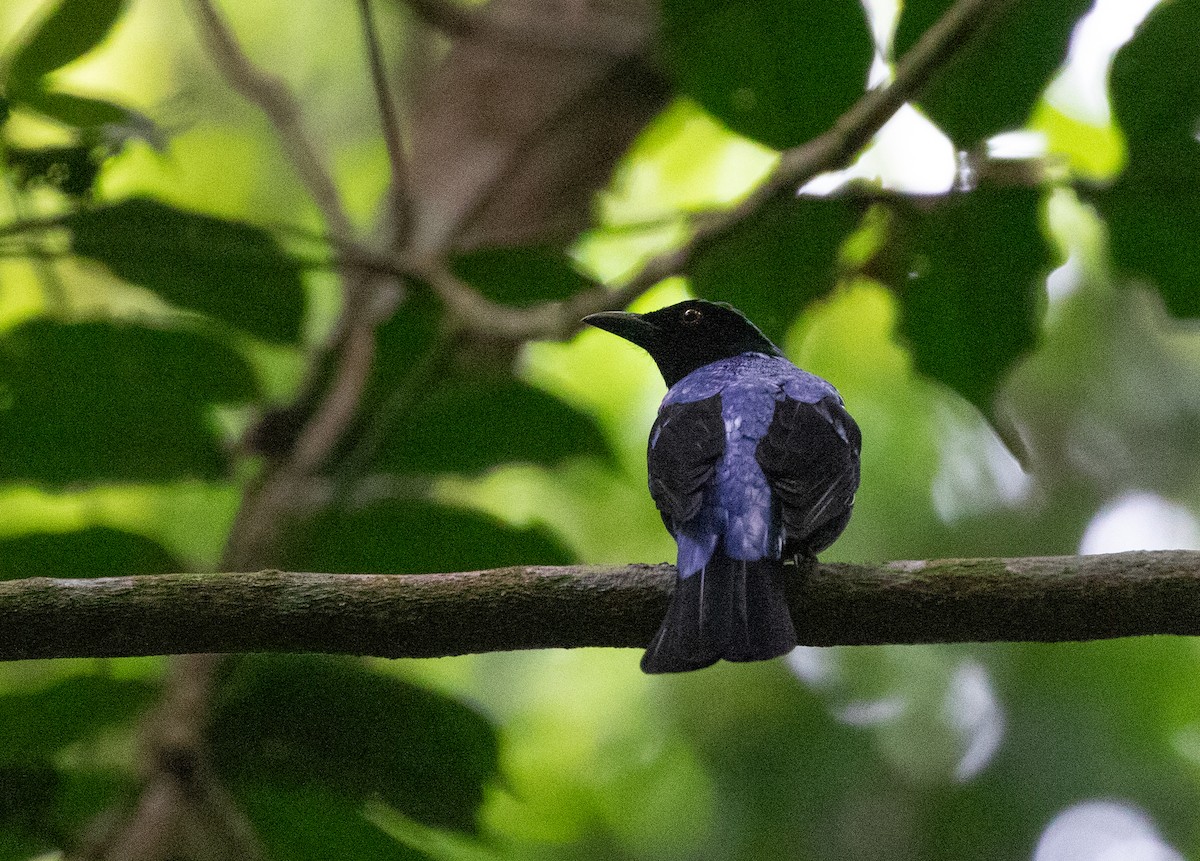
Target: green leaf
{"points": [[972, 303], [777, 261], [82, 112], [77, 112], [521, 276], [97, 551], [309, 824], [469, 425], [1156, 97], [43, 808], [1154, 233], [73, 29], [229, 270], [414, 536], [1153, 210], [38, 724], [101, 401], [774, 754], [777, 71], [27, 795], [403, 347], [992, 83], [84, 795], [410, 355], [331, 724], [71, 169]]}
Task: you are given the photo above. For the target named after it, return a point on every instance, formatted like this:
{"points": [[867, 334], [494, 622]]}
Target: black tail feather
{"points": [[731, 609]]}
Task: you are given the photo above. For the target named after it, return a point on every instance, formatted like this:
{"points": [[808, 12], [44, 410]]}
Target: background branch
{"points": [[389, 123], [797, 166], [273, 97], [183, 810], [835, 148], [1045, 599]]}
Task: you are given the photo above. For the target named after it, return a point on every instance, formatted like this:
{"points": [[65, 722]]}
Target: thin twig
{"points": [[345, 393], [273, 97], [389, 123], [183, 802], [557, 320], [835, 148], [267, 505], [354, 339], [53, 289]]}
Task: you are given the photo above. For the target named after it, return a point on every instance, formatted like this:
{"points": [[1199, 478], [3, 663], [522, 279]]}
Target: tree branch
{"points": [[1045, 599], [832, 150]]}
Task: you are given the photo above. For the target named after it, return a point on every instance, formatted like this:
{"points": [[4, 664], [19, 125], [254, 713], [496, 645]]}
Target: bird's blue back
{"points": [[739, 505]]}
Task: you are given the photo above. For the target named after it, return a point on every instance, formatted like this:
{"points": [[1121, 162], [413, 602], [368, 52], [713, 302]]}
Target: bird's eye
{"points": [[692, 316]]}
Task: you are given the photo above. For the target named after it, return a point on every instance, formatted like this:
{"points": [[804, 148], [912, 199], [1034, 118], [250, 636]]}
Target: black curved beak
{"points": [[623, 324]]}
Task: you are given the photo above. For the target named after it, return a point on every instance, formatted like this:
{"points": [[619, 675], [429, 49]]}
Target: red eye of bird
{"points": [[692, 315]]}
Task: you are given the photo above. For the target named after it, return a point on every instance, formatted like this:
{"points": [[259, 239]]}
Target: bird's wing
{"points": [[810, 457], [686, 442]]}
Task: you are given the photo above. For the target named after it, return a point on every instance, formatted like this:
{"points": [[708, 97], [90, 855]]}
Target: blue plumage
{"points": [[739, 505], [752, 462]]}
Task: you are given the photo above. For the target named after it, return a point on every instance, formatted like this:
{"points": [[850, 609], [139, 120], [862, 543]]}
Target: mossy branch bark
{"points": [[1043, 599]]}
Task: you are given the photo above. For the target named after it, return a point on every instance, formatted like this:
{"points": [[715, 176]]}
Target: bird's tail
{"points": [[729, 609]]}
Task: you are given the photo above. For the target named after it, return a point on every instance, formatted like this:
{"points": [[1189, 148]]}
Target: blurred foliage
{"points": [[168, 326], [46, 800], [969, 307], [465, 426], [1153, 208], [520, 276], [233, 272], [290, 723], [95, 551], [760, 268], [313, 824], [993, 83], [414, 536], [791, 86], [114, 401], [70, 30]]}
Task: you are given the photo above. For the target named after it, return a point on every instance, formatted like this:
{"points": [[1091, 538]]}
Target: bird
{"points": [[752, 462]]}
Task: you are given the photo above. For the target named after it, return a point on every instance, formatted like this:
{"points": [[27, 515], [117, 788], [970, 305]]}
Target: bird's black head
{"points": [[681, 338]]}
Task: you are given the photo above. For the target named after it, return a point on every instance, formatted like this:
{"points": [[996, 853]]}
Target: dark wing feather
{"points": [[810, 457], [686, 442]]}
